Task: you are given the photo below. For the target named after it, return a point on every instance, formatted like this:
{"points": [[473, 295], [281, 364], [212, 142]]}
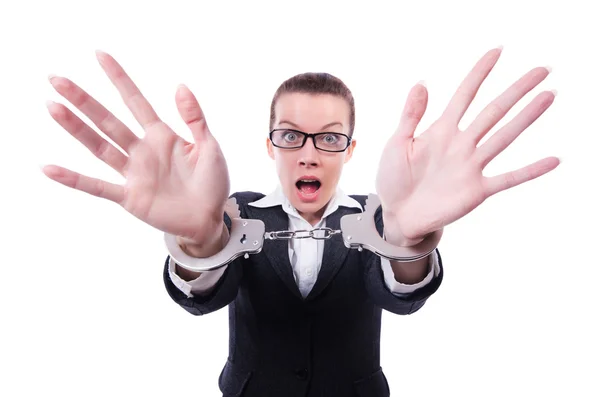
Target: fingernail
{"points": [[51, 76], [555, 92], [548, 68], [500, 47], [422, 82]]}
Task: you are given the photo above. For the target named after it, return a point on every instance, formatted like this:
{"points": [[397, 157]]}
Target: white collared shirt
{"points": [[305, 254]]}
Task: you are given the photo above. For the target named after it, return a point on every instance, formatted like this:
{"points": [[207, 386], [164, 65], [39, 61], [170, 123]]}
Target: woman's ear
{"points": [[270, 149], [349, 151]]}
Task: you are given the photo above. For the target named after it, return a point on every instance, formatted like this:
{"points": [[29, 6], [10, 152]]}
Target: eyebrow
{"points": [[322, 128]]}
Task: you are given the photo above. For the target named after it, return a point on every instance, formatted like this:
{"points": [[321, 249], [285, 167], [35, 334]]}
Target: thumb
{"points": [[191, 113], [413, 111]]}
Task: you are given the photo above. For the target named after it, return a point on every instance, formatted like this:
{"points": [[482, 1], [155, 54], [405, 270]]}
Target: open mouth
{"points": [[308, 186]]}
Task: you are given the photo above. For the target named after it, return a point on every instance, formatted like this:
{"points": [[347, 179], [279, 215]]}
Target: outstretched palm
{"points": [[429, 181], [167, 178]]}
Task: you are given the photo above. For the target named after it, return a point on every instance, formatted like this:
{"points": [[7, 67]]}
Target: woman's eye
{"points": [[330, 138], [290, 136]]}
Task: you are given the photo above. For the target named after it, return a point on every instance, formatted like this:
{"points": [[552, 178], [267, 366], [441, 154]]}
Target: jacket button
{"points": [[302, 374]]}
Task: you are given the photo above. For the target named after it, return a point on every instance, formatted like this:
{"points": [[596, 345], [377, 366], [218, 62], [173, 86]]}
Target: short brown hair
{"points": [[315, 83]]}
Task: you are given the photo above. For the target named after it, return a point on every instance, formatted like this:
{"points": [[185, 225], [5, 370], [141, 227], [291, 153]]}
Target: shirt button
{"points": [[308, 272], [302, 374]]}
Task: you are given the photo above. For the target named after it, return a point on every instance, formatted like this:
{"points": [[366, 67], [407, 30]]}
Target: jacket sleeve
{"points": [[224, 291], [379, 291]]}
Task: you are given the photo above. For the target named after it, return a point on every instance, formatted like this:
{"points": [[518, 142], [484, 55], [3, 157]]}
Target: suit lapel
{"points": [[276, 251], [334, 253]]}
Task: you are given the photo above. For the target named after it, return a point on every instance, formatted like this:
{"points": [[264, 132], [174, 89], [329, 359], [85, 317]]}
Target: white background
{"points": [[84, 311]]}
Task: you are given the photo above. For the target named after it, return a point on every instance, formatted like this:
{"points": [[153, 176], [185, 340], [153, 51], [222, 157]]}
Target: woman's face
{"points": [[310, 113]]}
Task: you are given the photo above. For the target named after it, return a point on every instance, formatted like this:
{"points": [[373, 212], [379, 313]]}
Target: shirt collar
{"points": [[278, 198]]}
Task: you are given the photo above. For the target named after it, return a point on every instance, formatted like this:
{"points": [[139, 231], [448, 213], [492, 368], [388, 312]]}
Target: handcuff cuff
{"points": [[246, 237]]}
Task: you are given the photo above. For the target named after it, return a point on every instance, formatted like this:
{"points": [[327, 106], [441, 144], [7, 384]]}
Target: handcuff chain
{"points": [[300, 234], [247, 236]]}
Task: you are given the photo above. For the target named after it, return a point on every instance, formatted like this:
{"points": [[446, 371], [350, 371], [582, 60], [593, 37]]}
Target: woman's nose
{"points": [[308, 154]]}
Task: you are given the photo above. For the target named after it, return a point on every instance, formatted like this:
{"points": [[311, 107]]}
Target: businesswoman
{"points": [[305, 314]]}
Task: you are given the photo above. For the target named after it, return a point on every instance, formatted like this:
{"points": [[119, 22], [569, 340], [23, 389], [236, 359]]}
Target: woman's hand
{"points": [[430, 181], [175, 186]]}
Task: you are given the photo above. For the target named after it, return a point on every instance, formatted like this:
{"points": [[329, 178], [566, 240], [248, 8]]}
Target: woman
{"points": [[305, 314]]}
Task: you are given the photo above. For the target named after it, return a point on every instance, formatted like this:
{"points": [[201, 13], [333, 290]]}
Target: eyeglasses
{"points": [[294, 139]]}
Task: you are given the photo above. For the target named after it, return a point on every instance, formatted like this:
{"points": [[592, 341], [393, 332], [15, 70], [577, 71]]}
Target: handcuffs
{"points": [[247, 236]]}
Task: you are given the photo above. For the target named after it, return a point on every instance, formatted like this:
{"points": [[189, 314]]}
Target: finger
{"points": [[93, 186], [495, 184], [464, 95], [413, 111], [133, 98], [502, 138], [101, 148], [98, 114], [191, 113], [498, 108]]}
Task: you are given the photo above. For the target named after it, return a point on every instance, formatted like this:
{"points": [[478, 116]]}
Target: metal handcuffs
{"points": [[247, 237]]}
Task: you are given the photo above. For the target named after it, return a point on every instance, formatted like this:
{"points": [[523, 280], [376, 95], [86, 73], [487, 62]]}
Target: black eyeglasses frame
{"points": [[313, 136]]}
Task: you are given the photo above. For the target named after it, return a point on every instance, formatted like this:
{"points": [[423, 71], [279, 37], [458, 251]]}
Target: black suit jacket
{"points": [[283, 345]]}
